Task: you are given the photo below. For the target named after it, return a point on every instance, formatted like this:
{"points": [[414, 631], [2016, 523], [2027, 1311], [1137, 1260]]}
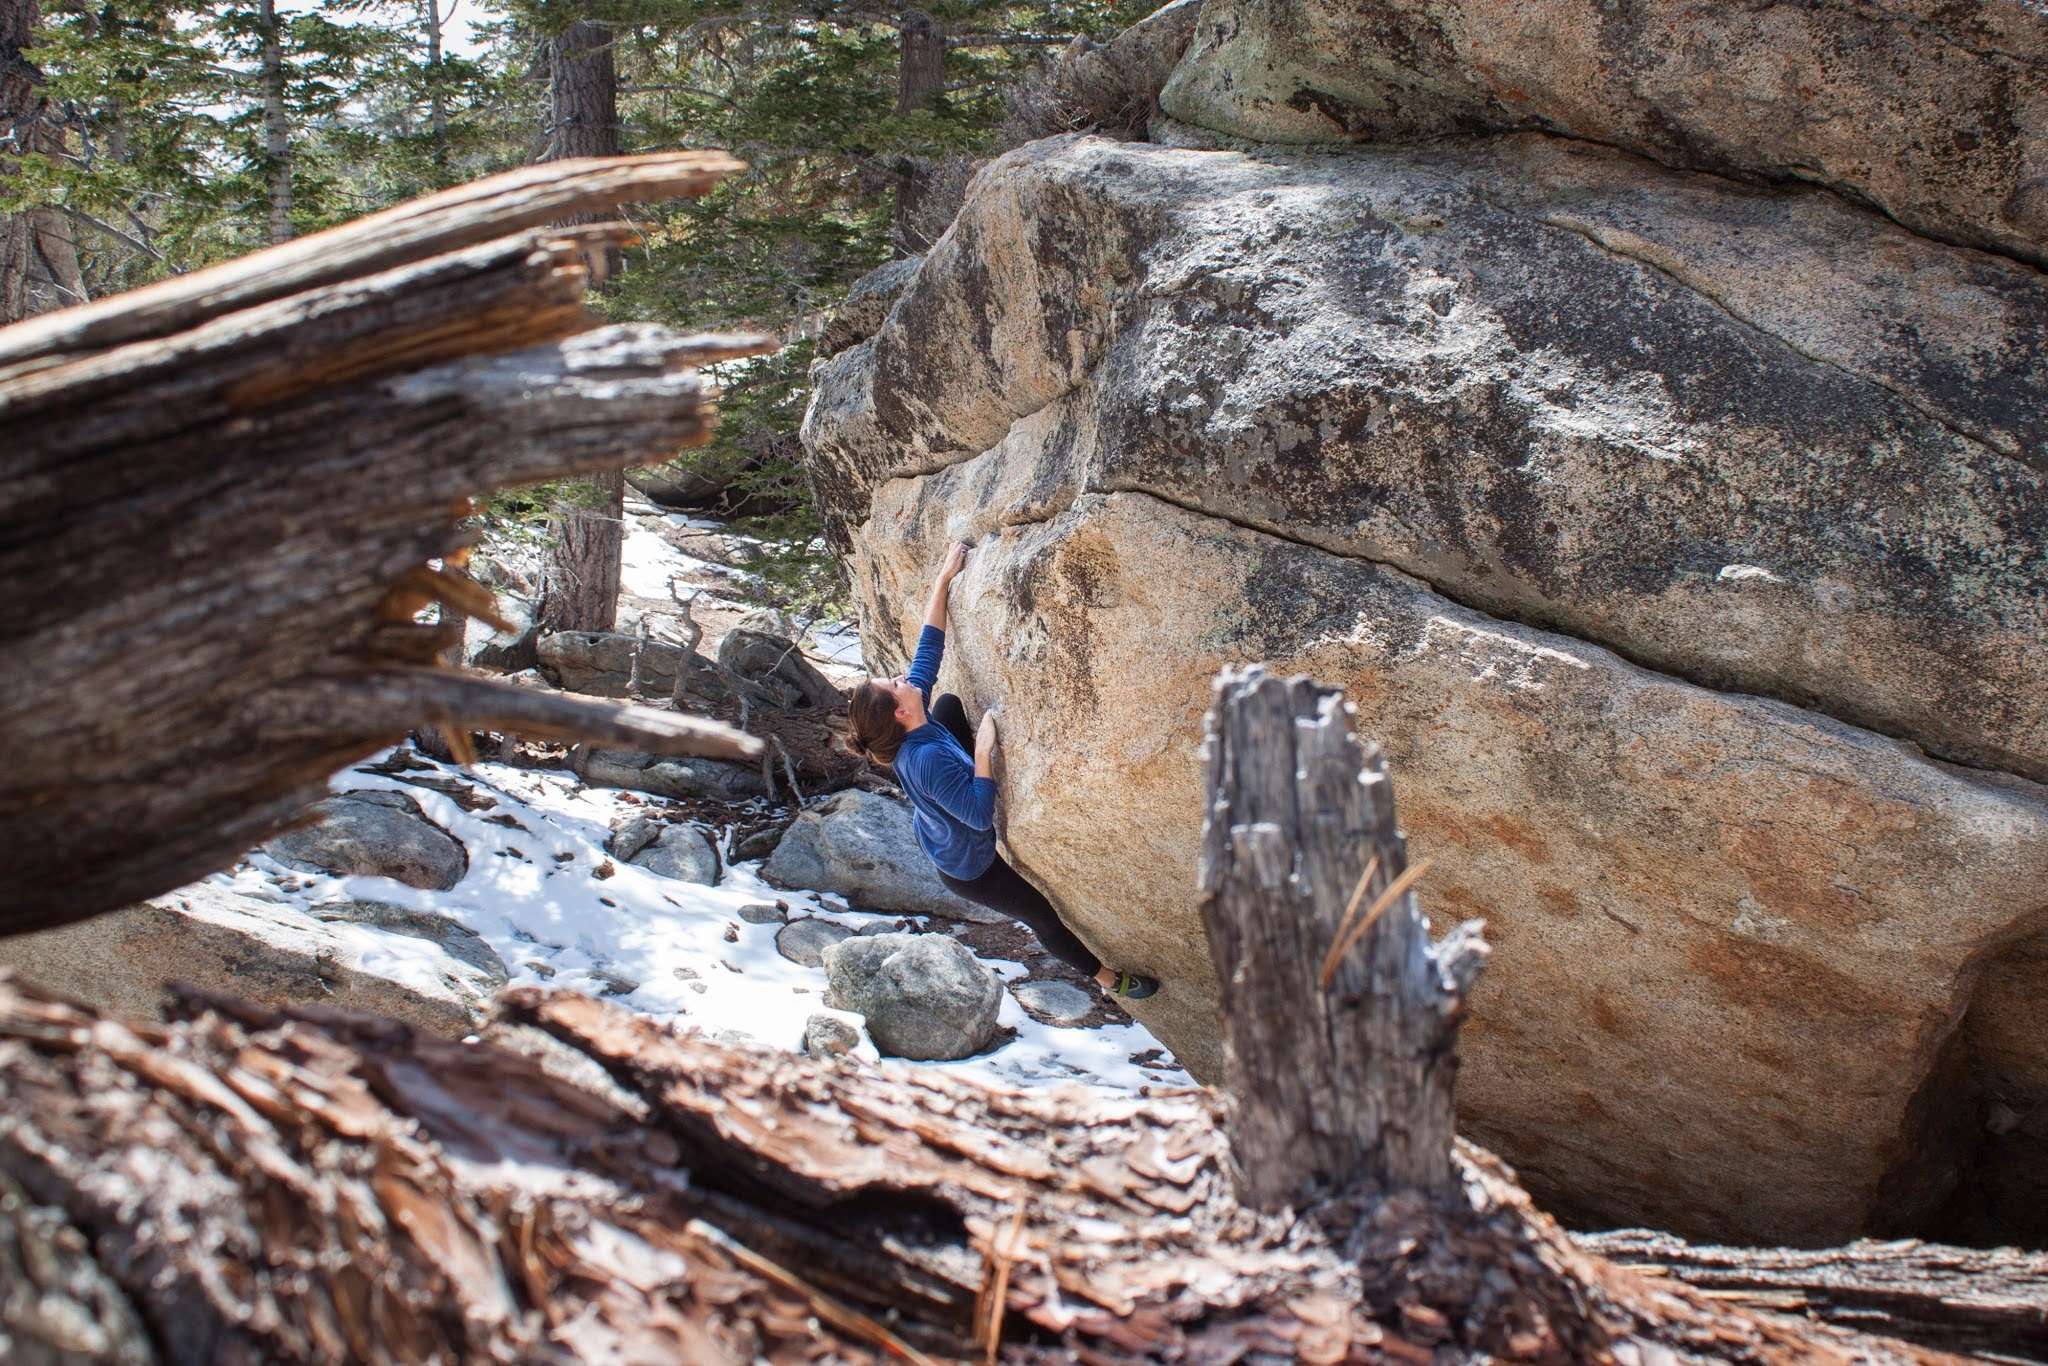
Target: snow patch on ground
{"points": [[560, 911]]}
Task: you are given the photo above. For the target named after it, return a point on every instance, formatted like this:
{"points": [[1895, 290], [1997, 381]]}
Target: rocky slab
{"points": [[422, 970]]}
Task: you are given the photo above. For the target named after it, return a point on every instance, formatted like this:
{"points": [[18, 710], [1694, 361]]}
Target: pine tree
{"points": [[861, 126]]}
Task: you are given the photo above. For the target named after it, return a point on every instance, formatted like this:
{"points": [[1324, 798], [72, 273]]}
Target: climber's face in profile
{"points": [[909, 704]]}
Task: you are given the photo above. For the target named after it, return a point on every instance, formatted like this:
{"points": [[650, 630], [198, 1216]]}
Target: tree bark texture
{"points": [[1340, 1016], [220, 500], [586, 544], [583, 109], [19, 105], [584, 1184], [277, 140], [39, 268], [585, 549], [1991, 1301], [431, 21], [920, 77]]}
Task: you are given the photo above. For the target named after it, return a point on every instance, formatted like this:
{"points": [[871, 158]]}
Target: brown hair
{"points": [[876, 731]]}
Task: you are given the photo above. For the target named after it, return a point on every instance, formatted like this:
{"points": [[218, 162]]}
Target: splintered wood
{"points": [[587, 1185], [221, 494], [1340, 1017]]}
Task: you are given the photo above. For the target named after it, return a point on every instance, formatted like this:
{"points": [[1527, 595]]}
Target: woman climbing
{"points": [[895, 723]]}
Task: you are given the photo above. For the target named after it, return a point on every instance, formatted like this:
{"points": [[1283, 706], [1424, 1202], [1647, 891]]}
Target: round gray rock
{"points": [[762, 913], [924, 995], [631, 835], [828, 1036], [805, 941], [1058, 1003], [863, 846], [683, 852], [374, 834]]}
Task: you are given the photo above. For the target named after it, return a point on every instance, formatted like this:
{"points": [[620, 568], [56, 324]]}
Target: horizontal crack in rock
{"points": [[1812, 707]]}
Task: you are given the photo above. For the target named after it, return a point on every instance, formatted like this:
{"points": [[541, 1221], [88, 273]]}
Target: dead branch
{"points": [[224, 492]]}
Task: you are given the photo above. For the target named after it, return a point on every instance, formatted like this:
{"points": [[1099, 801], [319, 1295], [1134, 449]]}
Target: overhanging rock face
{"points": [[1683, 541]]}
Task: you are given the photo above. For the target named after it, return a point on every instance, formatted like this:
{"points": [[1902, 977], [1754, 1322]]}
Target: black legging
{"points": [[1003, 888]]}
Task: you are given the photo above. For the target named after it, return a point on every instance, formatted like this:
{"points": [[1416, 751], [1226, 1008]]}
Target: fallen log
{"points": [[1988, 1301], [587, 1184], [221, 498]]}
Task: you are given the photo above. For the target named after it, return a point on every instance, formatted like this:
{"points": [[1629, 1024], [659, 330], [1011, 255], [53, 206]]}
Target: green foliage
{"points": [[165, 162], [168, 161]]}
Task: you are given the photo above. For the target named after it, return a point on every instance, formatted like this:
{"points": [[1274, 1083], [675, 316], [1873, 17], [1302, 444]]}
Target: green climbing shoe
{"points": [[1135, 985]]}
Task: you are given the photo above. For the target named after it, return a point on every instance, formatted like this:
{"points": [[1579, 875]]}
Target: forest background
{"points": [[142, 138]]}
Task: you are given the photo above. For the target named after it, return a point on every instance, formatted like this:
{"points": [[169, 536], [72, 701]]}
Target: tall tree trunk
{"points": [[277, 149], [38, 247], [586, 546], [921, 61], [582, 590], [20, 112], [437, 96], [583, 105], [920, 76], [56, 252]]}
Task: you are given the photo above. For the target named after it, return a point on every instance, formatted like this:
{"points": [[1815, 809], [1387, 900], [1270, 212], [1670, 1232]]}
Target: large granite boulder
{"points": [[413, 966], [924, 995], [670, 777], [1934, 110], [600, 663], [374, 833], [760, 649], [1685, 543], [863, 846]]}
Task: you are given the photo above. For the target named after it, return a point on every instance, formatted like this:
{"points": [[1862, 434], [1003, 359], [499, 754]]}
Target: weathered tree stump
{"points": [[219, 496], [1340, 1017]]}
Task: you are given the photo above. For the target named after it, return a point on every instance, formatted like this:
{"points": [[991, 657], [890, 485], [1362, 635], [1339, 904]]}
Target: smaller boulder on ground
{"points": [[829, 1036], [374, 833], [683, 852], [505, 652], [631, 835], [862, 845], [805, 941], [1054, 1003], [924, 995], [762, 650]]}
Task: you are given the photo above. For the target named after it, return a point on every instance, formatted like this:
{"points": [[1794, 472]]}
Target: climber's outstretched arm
{"points": [[935, 606]]}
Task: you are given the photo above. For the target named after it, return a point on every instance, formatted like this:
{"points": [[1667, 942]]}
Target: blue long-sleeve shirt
{"points": [[956, 808]]}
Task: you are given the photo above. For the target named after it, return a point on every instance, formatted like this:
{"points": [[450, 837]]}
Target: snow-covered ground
{"points": [[539, 893], [544, 894]]}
